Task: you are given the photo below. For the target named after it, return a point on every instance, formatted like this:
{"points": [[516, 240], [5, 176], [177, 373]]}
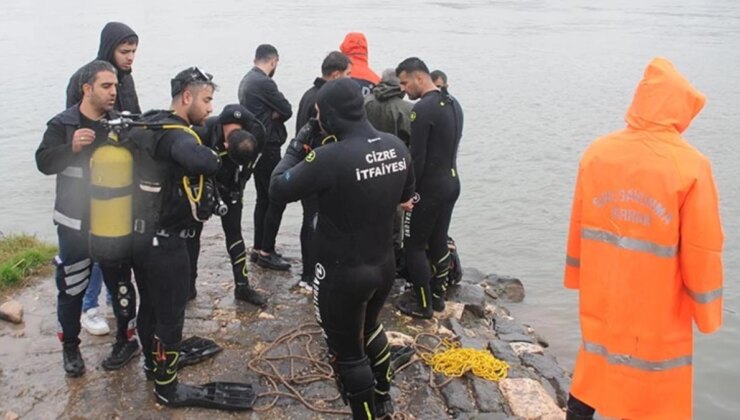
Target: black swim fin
{"points": [[400, 355], [230, 396], [197, 349]]}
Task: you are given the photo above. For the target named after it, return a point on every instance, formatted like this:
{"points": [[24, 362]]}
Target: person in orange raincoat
{"points": [[644, 250], [354, 46]]}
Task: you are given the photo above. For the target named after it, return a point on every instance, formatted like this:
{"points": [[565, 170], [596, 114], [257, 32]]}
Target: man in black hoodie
{"points": [[335, 65], [118, 43]]}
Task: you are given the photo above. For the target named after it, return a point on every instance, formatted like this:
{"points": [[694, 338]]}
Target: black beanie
{"points": [[342, 99], [234, 114]]}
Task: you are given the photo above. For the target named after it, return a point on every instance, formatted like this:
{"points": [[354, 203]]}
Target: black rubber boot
{"points": [[578, 410], [383, 405], [123, 351], [570, 415], [73, 363], [416, 304], [439, 292], [362, 404], [246, 293], [167, 389], [273, 262], [378, 350]]}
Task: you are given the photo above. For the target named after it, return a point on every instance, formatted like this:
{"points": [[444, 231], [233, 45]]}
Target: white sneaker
{"points": [[94, 323]]}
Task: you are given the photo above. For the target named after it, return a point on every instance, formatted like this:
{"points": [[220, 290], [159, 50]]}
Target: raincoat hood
{"points": [[664, 99], [388, 88], [110, 37], [354, 46]]}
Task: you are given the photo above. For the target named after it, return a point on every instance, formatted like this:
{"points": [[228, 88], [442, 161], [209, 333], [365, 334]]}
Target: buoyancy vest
{"points": [[164, 198]]}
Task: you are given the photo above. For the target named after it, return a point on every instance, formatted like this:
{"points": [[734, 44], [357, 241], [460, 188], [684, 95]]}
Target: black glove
{"points": [[306, 139]]}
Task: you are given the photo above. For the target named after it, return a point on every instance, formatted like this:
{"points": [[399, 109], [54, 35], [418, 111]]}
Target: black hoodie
{"points": [[110, 38]]}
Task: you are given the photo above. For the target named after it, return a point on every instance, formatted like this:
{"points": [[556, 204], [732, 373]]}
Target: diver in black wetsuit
{"points": [[237, 136], [334, 66], [436, 128], [359, 180], [163, 220]]}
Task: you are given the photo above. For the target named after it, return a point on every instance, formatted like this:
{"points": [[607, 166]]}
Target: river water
{"points": [[538, 80]]}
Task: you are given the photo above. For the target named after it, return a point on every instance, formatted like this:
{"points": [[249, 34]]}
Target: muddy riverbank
{"points": [[33, 384]]}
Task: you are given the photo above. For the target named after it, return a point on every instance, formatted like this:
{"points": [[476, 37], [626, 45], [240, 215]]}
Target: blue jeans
{"points": [[93, 290]]}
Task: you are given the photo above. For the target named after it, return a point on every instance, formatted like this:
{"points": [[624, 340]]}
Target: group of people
{"points": [[361, 157], [377, 178]]}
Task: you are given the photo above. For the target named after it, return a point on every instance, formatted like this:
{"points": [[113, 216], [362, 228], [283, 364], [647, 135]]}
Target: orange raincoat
{"points": [[644, 249], [354, 46]]}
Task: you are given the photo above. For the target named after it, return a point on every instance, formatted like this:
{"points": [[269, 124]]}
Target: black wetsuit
{"points": [[306, 111], [359, 182], [230, 180], [162, 222], [436, 128]]}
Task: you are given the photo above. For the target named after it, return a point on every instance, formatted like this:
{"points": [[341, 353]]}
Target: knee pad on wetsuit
{"points": [[353, 377], [379, 351]]}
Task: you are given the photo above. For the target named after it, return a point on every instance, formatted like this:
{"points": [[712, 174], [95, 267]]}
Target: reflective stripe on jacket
{"points": [[644, 250]]}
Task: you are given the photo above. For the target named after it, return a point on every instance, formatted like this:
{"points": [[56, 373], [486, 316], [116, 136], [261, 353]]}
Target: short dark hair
{"points": [[89, 72], [335, 61], [411, 65], [242, 146], [439, 74], [189, 78], [131, 39], [265, 52]]}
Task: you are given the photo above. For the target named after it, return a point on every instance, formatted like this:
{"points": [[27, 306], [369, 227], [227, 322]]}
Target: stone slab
{"points": [[527, 398]]}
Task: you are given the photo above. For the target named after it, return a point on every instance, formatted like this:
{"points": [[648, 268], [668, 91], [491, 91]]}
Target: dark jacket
{"points": [[260, 95], [387, 111], [307, 106], [231, 177], [110, 38], [55, 157]]}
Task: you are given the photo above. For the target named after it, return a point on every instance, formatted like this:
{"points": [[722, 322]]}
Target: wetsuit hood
{"points": [[664, 99], [110, 38], [354, 46], [341, 106]]}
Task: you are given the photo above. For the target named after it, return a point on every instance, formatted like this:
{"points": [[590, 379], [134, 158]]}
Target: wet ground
{"points": [[33, 384]]}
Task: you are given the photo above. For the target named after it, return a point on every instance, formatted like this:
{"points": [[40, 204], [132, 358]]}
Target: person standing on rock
{"points": [[118, 45], [334, 66], [238, 137], [260, 95], [163, 220], [65, 151], [439, 78], [436, 129], [645, 252], [360, 180], [387, 111]]}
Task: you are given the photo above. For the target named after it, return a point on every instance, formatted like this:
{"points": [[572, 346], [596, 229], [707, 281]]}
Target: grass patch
{"points": [[21, 257]]}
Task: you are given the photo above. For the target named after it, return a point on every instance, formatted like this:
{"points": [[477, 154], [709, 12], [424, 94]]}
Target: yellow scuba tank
{"points": [[111, 206]]}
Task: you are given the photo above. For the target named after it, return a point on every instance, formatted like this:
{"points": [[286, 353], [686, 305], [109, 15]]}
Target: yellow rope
{"points": [[452, 360]]}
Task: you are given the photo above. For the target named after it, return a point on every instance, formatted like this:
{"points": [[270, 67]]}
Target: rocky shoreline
{"points": [[33, 385]]}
